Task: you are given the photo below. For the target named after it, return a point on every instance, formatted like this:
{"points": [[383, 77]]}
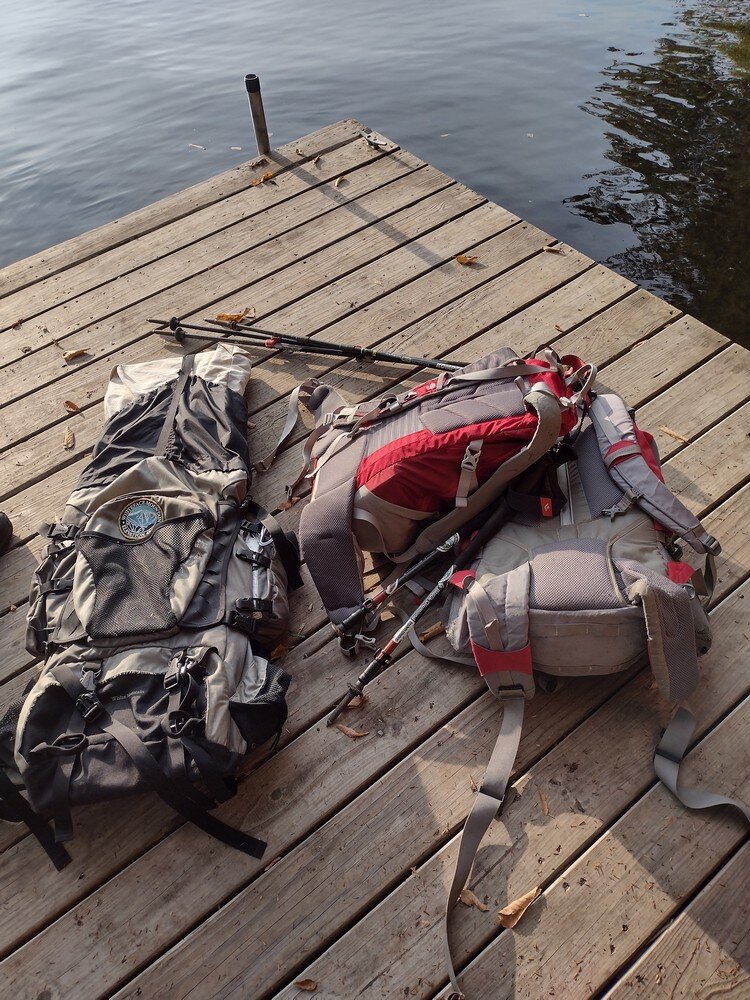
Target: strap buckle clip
{"points": [[89, 706]]}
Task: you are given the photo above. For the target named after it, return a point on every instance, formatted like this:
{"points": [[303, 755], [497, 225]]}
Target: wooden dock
{"points": [[639, 897]]}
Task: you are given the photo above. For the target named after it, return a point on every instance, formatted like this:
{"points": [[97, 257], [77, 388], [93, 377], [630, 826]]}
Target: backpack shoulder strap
{"points": [[628, 467]]}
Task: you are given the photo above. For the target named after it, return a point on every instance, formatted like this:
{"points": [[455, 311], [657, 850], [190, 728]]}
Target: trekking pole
{"points": [[368, 606], [349, 350], [384, 656], [282, 341]]}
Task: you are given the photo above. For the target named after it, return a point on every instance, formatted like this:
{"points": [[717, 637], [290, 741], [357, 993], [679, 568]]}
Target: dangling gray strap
{"points": [[668, 758], [316, 397], [486, 805]]}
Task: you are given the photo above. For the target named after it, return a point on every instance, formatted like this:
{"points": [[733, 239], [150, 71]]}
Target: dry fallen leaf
{"points": [[72, 355], [474, 785], [466, 259], [256, 183], [469, 898], [71, 407], [353, 734], [316, 160], [434, 630], [288, 504], [673, 434], [553, 249], [339, 181], [260, 162], [512, 913], [17, 325], [543, 800], [267, 176], [69, 440], [278, 652], [308, 985], [559, 328], [235, 317], [357, 701], [299, 152]]}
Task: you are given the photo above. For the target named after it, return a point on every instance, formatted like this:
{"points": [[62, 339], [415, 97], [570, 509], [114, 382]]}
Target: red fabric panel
{"points": [[460, 577], [646, 444], [680, 572], [490, 661]]}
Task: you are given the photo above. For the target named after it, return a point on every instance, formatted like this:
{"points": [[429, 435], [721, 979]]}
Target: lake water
{"points": [[621, 128]]}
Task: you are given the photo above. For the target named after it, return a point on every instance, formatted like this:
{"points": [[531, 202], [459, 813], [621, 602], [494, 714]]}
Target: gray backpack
{"points": [[592, 590], [158, 603]]}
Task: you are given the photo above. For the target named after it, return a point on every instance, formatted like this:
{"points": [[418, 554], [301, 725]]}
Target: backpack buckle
{"points": [[89, 706]]}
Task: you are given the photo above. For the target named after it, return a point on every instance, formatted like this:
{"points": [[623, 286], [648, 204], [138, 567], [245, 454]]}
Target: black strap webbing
{"points": [[167, 429], [15, 809], [184, 799], [165, 787]]}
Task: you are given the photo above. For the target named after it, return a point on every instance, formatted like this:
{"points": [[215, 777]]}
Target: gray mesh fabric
{"points": [[571, 575], [670, 625], [601, 492], [133, 580]]}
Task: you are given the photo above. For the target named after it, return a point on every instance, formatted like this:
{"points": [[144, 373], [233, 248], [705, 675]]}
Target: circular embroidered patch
{"points": [[140, 518]]}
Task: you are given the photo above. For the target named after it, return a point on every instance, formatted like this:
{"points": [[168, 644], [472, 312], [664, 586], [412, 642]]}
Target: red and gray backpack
{"points": [[397, 475]]}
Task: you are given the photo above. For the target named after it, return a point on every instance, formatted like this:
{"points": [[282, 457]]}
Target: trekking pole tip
{"points": [[333, 717]]}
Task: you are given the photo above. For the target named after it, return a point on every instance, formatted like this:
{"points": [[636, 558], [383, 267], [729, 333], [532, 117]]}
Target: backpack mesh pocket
{"points": [[134, 581]]}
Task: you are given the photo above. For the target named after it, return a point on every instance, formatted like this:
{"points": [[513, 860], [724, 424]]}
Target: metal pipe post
{"points": [[252, 85]]}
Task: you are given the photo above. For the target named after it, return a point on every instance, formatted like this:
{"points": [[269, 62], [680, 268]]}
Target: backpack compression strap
{"points": [[487, 804], [668, 757], [621, 451]]}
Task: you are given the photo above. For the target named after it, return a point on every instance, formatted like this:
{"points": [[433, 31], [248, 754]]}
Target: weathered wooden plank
{"points": [[652, 364], [534, 274], [322, 215], [640, 316], [614, 898], [301, 275], [717, 387], [182, 203], [705, 952], [396, 949], [42, 453], [44, 298], [718, 460]]}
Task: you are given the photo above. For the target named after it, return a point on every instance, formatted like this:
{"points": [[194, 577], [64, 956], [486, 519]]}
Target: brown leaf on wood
{"points": [[543, 800], [357, 701], [512, 913], [353, 734], [268, 176], [316, 160], [17, 325], [466, 259], [71, 407], [256, 183], [308, 985], [288, 504], [553, 249], [469, 898], [474, 785], [236, 317], [69, 441], [673, 434], [69, 356], [278, 652], [429, 633], [559, 328], [260, 162], [299, 152], [339, 181]]}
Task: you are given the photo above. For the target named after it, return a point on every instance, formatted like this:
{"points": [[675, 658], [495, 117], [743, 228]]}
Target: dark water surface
{"points": [[622, 128]]}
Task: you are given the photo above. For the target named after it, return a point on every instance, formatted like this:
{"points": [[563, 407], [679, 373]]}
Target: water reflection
{"points": [[679, 136]]}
